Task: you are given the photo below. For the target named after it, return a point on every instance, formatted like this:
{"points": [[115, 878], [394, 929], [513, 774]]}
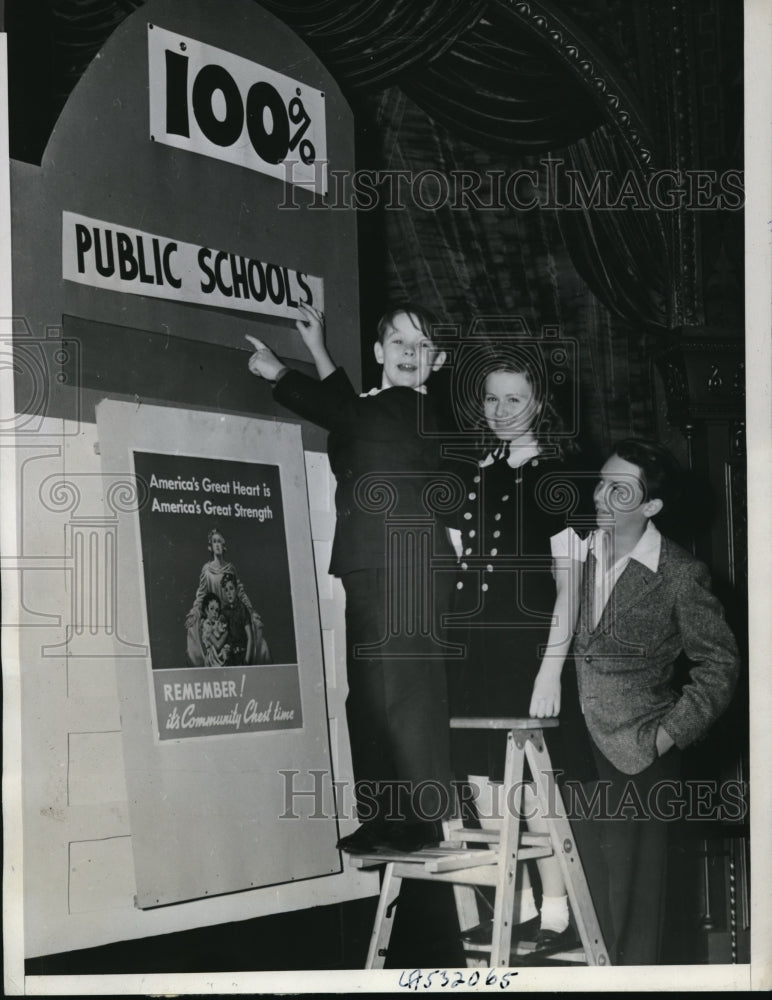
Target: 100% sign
{"points": [[275, 128]]}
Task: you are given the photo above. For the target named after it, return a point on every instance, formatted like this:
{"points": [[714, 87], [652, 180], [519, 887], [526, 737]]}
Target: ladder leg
{"points": [[466, 906], [384, 919], [508, 851], [564, 846], [468, 915]]}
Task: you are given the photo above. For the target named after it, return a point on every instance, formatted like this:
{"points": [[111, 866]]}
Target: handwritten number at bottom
{"points": [[415, 978]]}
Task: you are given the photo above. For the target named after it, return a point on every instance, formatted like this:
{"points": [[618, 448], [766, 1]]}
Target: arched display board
{"points": [[179, 205]]}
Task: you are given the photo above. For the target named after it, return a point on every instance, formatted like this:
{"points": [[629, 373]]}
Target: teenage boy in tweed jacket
{"points": [[645, 600]]}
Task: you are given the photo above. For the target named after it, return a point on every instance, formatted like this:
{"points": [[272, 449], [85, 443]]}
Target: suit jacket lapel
{"points": [[635, 583], [588, 592]]}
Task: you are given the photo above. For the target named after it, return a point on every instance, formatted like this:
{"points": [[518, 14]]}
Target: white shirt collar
{"points": [[647, 549], [380, 388]]}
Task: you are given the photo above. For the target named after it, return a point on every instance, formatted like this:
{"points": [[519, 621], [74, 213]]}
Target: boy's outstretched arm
{"points": [[310, 326], [264, 362], [329, 402]]}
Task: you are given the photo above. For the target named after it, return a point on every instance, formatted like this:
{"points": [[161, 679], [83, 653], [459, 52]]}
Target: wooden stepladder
{"points": [[468, 858]]}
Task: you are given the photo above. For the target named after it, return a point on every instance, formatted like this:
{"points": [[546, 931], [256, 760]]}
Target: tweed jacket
{"points": [[625, 665], [385, 455]]}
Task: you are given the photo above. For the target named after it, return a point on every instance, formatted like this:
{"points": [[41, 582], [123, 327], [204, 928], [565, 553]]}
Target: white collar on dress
{"points": [[518, 456]]}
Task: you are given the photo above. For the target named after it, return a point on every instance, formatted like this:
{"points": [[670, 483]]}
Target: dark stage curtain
{"points": [[495, 263], [621, 250], [469, 65], [499, 87], [493, 83], [367, 45]]}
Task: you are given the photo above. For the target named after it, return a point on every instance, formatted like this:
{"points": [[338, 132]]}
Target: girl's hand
{"points": [[664, 741], [545, 699], [310, 326], [264, 362]]}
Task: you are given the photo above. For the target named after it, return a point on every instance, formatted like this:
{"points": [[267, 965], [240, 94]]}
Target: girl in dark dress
{"points": [[516, 597]]}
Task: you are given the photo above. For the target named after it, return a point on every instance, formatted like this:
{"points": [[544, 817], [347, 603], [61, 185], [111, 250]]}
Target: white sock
{"points": [[554, 913], [525, 906]]}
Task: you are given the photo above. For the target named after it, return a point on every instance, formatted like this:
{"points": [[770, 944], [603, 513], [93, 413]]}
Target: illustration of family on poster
{"points": [[223, 628]]}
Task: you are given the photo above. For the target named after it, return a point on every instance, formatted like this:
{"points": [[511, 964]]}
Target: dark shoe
{"points": [[550, 942], [526, 933], [407, 837], [363, 840], [394, 836], [482, 933]]}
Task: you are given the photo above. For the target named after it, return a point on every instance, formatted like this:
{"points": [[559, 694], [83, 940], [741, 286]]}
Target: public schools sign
{"points": [[217, 104], [106, 255]]}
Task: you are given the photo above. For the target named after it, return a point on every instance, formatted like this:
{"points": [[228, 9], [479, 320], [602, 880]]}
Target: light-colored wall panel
{"points": [[101, 875], [93, 678], [320, 486], [324, 581], [95, 773], [330, 650]]}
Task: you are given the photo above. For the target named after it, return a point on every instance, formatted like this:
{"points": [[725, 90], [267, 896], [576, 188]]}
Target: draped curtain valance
{"points": [[470, 66]]}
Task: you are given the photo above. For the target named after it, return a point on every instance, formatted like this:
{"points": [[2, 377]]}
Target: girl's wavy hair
{"points": [[550, 428]]}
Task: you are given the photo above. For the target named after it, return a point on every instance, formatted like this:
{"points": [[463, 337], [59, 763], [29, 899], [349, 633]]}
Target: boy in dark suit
{"points": [[645, 600], [384, 457]]}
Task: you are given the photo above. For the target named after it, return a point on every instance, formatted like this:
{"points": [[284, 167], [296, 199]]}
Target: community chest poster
{"points": [[217, 596]]}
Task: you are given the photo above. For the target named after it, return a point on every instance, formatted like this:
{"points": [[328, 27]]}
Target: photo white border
{"points": [[757, 976], [13, 883], [758, 298]]}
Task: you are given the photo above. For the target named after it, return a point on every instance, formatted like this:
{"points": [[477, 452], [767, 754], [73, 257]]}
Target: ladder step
{"points": [[493, 837], [433, 859], [573, 955], [458, 860], [438, 859], [477, 836], [462, 722]]}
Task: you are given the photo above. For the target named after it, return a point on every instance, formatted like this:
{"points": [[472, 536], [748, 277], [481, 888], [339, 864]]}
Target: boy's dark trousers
{"points": [[397, 708], [384, 447], [627, 873]]}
